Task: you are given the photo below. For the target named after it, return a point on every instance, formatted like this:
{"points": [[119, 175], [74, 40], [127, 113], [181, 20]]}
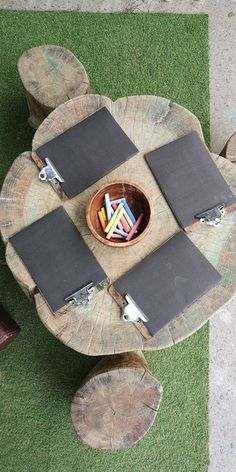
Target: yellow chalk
{"points": [[104, 213], [126, 216], [113, 218], [118, 216]]}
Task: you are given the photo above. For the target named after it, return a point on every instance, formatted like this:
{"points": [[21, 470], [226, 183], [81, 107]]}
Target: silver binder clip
{"points": [[81, 297], [131, 311], [213, 216], [49, 173]]}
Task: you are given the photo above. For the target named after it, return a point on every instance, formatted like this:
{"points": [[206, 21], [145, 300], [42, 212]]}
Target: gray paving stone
{"points": [[222, 390]]}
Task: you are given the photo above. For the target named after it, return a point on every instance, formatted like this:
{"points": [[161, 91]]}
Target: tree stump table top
{"points": [[150, 122]]}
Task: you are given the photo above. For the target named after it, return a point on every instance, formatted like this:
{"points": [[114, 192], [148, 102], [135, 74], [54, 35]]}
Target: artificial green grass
{"points": [[124, 54]]}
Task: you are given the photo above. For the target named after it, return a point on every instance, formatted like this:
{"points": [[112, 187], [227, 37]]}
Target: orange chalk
{"points": [[103, 223]]}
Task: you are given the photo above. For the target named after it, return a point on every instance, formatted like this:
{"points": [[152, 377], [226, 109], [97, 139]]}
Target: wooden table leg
{"points": [[117, 403]]}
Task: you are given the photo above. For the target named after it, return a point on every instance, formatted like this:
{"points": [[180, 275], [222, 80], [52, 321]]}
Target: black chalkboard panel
{"points": [[57, 257], [188, 178], [88, 151], [168, 281]]}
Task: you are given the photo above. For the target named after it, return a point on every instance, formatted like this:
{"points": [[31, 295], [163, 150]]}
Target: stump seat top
{"points": [[52, 74]]}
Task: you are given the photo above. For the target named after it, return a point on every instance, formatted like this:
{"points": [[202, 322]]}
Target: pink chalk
{"points": [[135, 227], [117, 236], [122, 221]]}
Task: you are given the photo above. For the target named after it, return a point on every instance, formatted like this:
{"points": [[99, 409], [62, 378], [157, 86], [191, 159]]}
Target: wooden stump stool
{"points": [[117, 403], [50, 75]]}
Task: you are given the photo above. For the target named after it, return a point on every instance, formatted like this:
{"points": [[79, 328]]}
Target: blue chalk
{"points": [[119, 200], [121, 232], [129, 212], [108, 206]]}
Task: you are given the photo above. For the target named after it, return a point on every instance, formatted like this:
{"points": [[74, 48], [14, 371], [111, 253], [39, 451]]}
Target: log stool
{"points": [[50, 75], [117, 403]]}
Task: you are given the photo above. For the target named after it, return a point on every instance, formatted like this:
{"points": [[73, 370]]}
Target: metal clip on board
{"points": [[81, 297], [213, 216], [131, 311], [49, 173]]}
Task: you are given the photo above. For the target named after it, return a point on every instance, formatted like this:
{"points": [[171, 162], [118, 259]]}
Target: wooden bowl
{"points": [[138, 202]]}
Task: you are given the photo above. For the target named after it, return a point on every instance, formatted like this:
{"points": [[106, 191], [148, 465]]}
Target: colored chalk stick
{"points": [[127, 218], [117, 236], [119, 213], [119, 200], [114, 218], [135, 227], [129, 212], [120, 226], [104, 213], [108, 206], [124, 224], [102, 221], [120, 232]]}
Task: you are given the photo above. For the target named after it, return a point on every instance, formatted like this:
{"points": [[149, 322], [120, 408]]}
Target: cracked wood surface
{"points": [[117, 403], [50, 75], [150, 122]]}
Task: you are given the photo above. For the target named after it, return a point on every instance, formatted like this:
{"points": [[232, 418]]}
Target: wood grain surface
{"points": [[51, 75], [150, 122], [117, 403], [229, 150]]}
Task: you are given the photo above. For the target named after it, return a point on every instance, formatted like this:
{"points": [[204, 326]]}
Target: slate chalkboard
{"points": [[57, 257], [88, 151], [168, 281], [188, 178]]}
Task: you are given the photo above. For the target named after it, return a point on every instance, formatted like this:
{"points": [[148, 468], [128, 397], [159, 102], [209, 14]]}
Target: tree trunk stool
{"points": [[50, 75], [150, 122], [229, 150], [117, 403]]}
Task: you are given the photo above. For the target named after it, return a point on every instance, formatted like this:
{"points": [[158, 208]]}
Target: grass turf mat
{"points": [[124, 54]]}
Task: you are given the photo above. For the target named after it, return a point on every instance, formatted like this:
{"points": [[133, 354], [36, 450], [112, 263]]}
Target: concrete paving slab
{"points": [[222, 390]]}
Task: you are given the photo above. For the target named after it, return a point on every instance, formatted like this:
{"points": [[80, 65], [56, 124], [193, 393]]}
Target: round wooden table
{"points": [[150, 122]]}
